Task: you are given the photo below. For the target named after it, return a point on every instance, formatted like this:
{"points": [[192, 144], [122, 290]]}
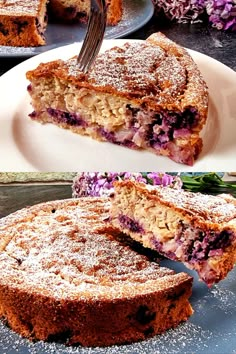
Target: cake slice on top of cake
{"points": [[197, 229], [144, 95]]}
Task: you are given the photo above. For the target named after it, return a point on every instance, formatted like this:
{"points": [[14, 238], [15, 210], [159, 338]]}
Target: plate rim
{"points": [[54, 53]]}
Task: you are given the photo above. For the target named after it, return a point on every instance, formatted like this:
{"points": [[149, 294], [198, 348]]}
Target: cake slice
{"points": [[66, 274], [197, 229], [144, 95], [78, 10], [22, 22]]}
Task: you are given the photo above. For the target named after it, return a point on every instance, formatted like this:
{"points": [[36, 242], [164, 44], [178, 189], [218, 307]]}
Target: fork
{"points": [[94, 35]]}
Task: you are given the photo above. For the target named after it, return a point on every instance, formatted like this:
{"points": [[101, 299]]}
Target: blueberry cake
{"points": [[67, 275], [145, 95], [78, 10], [22, 23], [197, 229]]}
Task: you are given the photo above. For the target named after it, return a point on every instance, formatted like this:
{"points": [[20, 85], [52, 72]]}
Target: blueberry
{"points": [[130, 224], [144, 315], [20, 25], [4, 31]]}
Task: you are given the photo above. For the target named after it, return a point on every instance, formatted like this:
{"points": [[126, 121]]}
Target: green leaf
{"points": [[210, 183]]}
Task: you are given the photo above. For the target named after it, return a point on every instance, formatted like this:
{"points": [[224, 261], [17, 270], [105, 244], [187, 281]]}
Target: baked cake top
{"points": [[19, 7], [66, 249], [154, 72], [139, 68], [204, 208]]}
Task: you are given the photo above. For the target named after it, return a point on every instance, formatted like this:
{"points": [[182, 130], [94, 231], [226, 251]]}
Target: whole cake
{"points": [[66, 274], [145, 95], [197, 229], [78, 10], [22, 22]]}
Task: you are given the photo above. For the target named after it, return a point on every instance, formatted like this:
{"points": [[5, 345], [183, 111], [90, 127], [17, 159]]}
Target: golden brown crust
{"points": [[200, 209], [21, 8], [64, 271], [30, 36], [114, 12], [178, 81], [196, 92], [78, 10]]}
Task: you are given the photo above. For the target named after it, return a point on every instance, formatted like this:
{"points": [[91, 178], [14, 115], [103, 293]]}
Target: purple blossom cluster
{"points": [[181, 10], [221, 13], [96, 184]]}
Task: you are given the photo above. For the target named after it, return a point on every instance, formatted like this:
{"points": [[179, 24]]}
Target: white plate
{"points": [[136, 14], [29, 146]]}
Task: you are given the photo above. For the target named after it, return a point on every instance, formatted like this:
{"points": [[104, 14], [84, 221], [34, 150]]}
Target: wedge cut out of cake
{"points": [[147, 95], [23, 22], [196, 229], [66, 274]]}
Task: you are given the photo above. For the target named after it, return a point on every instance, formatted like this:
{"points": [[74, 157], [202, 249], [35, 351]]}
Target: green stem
{"points": [[209, 182]]}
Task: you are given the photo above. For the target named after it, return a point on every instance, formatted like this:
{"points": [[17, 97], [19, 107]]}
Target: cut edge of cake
{"points": [[198, 230]]}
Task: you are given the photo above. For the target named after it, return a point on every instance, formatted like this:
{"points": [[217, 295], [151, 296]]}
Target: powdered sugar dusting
{"points": [[211, 208], [173, 341], [20, 7], [138, 69], [225, 299], [79, 257], [211, 329], [222, 298]]}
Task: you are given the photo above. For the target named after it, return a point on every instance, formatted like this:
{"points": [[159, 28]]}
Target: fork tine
{"points": [[90, 44], [94, 35], [87, 36], [94, 38], [95, 46], [101, 26], [95, 43]]}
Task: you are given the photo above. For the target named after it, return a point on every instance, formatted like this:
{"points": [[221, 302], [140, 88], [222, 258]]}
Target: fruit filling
{"points": [[188, 244]]}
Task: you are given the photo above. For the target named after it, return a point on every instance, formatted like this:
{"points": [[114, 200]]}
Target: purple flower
{"points": [[164, 179], [96, 184], [222, 13], [134, 177], [161, 179], [181, 10]]}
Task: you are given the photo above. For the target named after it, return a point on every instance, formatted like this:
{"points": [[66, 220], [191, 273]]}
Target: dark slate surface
{"points": [[217, 44], [15, 197]]}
